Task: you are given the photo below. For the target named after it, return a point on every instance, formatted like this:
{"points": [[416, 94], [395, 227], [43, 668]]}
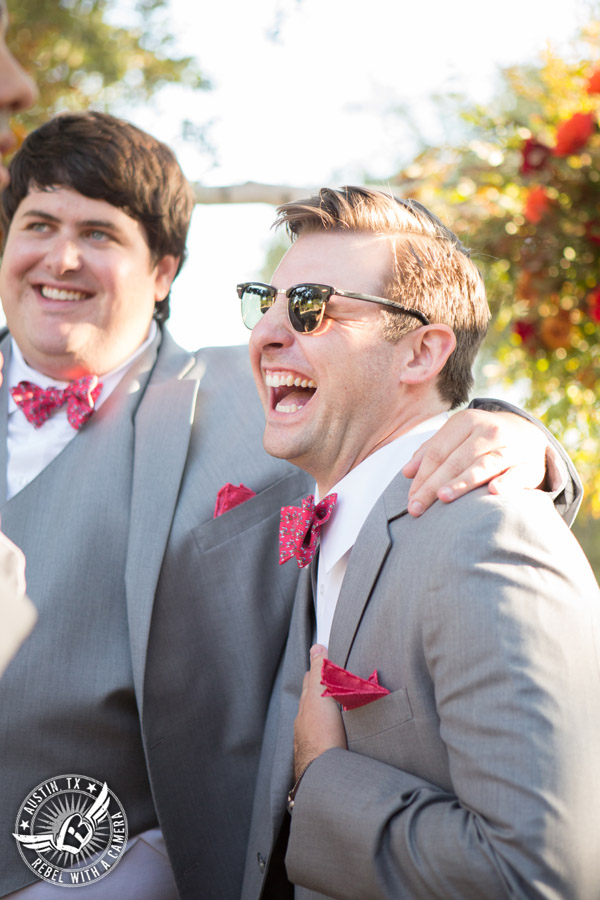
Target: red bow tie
{"points": [[300, 526], [37, 403]]}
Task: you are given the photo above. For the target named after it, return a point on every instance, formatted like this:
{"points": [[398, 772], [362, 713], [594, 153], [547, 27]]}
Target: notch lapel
{"points": [[166, 410], [295, 665], [366, 559]]}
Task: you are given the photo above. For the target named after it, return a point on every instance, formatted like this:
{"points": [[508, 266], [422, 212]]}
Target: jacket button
{"points": [[261, 862]]}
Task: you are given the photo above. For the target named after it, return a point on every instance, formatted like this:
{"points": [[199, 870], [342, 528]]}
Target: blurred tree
{"points": [[79, 58], [523, 190]]}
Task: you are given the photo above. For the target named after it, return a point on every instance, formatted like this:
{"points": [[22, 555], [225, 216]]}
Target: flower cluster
{"points": [[559, 199], [524, 193]]}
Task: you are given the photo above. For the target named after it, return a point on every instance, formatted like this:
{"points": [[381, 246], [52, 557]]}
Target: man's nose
{"points": [[17, 90], [63, 255], [274, 328]]}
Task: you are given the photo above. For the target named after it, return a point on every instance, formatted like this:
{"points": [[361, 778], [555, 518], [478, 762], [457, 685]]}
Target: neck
{"points": [[326, 478]]}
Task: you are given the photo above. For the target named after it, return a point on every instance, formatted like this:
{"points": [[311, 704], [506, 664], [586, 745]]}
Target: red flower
{"points": [[525, 330], [593, 85], [535, 156], [555, 331], [574, 134], [537, 205], [593, 301], [592, 231]]}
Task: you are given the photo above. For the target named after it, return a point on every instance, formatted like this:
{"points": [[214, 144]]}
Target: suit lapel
{"points": [[295, 665], [166, 409], [367, 557]]}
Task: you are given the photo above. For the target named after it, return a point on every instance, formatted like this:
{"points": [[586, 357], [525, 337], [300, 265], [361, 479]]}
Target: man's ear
{"points": [[426, 352], [165, 271]]}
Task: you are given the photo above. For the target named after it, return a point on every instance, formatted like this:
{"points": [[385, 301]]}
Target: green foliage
{"points": [[524, 193], [79, 59]]}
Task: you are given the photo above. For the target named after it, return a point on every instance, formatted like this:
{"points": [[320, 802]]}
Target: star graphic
{"points": [[92, 787], [24, 825]]}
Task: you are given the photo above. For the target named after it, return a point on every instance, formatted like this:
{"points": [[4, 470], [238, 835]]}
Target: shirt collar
{"points": [[359, 489], [19, 370]]}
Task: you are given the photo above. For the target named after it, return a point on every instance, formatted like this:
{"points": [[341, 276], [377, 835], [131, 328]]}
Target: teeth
{"points": [[57, 294], [292, 408], [284, 379]]}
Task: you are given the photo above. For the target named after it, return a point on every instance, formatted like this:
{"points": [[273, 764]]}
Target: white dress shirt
{"points": [[31, 449], [357, 493]]}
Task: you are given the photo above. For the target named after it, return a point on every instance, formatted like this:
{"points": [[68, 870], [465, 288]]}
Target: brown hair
{"points": [[109, 159], [432, 269]]}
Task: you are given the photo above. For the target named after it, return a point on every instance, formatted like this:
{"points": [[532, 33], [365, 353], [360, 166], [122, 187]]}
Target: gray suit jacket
{"points": [[477, 776], [208, 606], [207, 603]]}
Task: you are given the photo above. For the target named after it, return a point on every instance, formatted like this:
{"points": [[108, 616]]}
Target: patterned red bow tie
{"points": [[37, 403], [300, 526]]}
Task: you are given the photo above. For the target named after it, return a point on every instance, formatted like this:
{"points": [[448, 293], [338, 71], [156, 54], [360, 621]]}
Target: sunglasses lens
{"points": [[256, 300], [306, 302]]}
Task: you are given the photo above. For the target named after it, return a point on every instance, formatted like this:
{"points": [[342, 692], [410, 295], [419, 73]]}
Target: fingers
{"points": [[445, 462], [312, 679], [317, 652], [318, 725], [472, 448]]}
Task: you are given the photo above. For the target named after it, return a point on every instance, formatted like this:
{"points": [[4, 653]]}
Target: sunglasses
{"points": [[306, 304]]}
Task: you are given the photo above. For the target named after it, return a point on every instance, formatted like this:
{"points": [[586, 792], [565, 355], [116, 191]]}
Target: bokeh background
{"points": [[487, 112]]}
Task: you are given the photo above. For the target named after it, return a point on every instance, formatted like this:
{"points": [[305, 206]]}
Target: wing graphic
{"points": [[39, 842], [97, 810]]}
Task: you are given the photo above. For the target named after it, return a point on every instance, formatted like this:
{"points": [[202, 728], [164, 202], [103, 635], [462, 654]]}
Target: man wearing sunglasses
{"points": [[454, 751]]}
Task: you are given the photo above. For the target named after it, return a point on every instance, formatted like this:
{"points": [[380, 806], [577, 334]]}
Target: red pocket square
{"points": [[231, 495], [348, 689]]}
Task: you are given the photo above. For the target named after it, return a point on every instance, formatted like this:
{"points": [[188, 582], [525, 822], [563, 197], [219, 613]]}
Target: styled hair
{"points": [[109, 159], [431, 270]]}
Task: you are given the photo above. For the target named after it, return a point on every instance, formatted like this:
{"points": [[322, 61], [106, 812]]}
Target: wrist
{"points": [[291, 797]]}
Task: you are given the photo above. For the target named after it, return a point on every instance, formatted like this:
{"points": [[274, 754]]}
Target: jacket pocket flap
{"points": [[266, 503], [381, 715]]}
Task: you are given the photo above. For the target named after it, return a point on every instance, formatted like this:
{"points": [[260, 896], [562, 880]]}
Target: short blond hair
{"points": [[432, 270]]}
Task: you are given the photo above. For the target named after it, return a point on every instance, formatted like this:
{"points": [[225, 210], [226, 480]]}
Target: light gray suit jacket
{"points": [[478, 776], [207, 602]]}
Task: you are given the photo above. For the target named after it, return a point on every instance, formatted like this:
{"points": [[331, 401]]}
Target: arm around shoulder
{"points": [[565, 486]]}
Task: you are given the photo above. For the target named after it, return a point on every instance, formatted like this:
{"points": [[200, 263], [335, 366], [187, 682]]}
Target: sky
{"points": [[307, 93]]}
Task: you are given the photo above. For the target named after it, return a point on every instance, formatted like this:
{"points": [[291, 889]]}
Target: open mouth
{"points": [[65, 294], [289, 391]]}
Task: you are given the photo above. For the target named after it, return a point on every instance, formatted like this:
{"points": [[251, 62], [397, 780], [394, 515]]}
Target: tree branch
{"points": [[250, 192]]}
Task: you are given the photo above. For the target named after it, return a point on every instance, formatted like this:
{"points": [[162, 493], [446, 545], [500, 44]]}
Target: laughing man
{"points": [[454, 752]]}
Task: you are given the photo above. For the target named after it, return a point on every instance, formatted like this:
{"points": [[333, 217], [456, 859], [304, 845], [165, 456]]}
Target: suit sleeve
{"points": [[569, 494], [509, 614]]}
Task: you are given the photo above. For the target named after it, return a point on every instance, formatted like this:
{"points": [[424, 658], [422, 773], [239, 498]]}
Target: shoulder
{"points": [[513, 536], [228, 364]]}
